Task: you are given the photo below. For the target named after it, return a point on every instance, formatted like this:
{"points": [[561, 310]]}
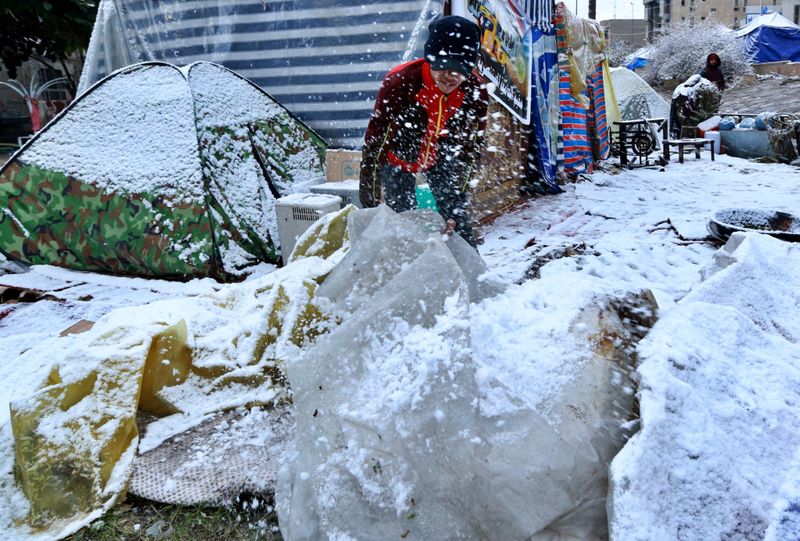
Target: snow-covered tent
{"points": [[636, 99], [772, 38], [322, 59], [158, 171]]}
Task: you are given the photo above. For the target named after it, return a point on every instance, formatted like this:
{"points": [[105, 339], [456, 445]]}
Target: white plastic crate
{"points": [[296, 213], [346, 189]]}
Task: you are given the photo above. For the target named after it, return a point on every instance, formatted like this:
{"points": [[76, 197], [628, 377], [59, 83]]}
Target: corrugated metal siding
{"points": [[321, 59]]}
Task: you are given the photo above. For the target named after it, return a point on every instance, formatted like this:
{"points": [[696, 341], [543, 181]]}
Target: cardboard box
{"points": [[342, 164]]}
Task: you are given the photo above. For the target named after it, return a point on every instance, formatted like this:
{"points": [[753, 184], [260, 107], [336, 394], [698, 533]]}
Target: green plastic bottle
{"points": [[425, 199]]}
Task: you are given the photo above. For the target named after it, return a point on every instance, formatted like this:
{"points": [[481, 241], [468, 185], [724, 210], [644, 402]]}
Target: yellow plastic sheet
{"points": [[70, 435], [325, 237], [74, 439]]}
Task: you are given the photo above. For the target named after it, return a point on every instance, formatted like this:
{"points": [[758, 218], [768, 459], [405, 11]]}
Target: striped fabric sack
{"points": [[574, 143], [598, 121], [575, 139]]}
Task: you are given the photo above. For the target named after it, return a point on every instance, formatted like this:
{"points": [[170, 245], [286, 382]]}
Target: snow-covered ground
{"points": [[641, 227], [638, 229]]}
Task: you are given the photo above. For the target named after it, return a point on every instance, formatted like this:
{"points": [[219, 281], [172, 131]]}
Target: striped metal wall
{"points": [[540, 12], [322, 59]]}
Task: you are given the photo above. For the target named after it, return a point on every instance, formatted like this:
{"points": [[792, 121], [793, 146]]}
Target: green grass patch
{"points": [[137, 519]]}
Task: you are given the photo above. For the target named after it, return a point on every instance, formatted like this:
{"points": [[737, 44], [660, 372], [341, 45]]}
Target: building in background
{"points": [[632, 31], [791, 10], [732, 13]]}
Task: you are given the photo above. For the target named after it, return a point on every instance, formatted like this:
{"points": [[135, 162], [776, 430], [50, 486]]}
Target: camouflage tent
{"points": [[158, 171]]}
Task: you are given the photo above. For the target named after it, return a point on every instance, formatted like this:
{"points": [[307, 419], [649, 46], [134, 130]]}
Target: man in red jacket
{"points": [[429, 117]]}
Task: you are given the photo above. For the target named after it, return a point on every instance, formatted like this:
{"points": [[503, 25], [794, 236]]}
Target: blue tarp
{"points": [[542, 150], [772, 38], [637, 63], [774, 44]]}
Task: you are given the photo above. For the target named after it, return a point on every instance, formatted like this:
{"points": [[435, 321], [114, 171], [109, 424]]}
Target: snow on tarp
{"points": [[716, 457], [442, 408], [636, 98], [158, 171], [74, 439], [639, 58], [328, 237], [73, 420]]}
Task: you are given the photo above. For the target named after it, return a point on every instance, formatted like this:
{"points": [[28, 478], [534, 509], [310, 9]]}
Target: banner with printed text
{"points": [[505, 55]]}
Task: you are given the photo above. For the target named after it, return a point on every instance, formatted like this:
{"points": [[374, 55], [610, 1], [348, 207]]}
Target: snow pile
{"points": [[785, 517], [428, 416], [635, 97], [133, 133], [717, 454], [693, 87]]}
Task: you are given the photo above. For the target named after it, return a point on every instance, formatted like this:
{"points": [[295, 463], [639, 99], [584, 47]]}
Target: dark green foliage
{"points": [[43, 29]]}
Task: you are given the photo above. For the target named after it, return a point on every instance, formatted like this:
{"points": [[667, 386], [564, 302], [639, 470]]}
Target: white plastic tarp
{"points": [[636, 99], [418, 419]]}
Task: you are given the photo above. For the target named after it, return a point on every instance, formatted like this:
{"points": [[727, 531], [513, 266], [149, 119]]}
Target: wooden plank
{"points": [[79, 327]]}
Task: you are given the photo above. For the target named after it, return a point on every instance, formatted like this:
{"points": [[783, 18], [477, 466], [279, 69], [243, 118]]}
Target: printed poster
{"points": [[505, 55]]}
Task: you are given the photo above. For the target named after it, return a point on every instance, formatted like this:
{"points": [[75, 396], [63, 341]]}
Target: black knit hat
{"points": [[452, 44]]}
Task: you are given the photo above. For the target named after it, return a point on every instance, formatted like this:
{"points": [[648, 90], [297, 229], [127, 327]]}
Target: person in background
{"points": [[429, 117], [713, 71]]}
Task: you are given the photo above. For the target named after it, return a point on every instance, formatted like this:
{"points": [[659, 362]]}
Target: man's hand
{"points": [[449, 227]]}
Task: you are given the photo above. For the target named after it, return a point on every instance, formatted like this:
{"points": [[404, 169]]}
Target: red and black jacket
{"points": [[413, 124]]}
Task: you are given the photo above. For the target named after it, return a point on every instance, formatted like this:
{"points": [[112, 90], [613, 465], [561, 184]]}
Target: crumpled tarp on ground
{"points": [[395, 436], [230, 453], [74, 440]]}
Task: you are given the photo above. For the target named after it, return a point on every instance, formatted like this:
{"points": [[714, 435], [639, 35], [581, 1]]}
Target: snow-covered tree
{"points": [[682, 51], [617, 52]]}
